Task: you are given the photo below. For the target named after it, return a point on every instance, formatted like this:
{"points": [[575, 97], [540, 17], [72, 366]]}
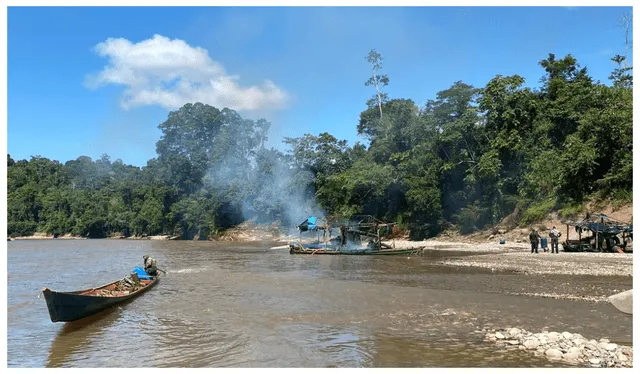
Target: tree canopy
{"points": [[466, 158]]}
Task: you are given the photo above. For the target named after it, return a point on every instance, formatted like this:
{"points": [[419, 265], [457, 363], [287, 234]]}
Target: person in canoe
{"points": [[150, 265]]}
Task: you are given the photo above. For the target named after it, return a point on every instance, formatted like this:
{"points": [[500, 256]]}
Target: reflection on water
{"points": [[76, 337], [330, 346], [448, 352], [241, 306]]}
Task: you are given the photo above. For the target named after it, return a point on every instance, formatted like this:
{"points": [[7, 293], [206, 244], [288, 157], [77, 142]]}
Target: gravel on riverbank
{"points": [[455, 246], [518, 257], [571, 348], [599, 264]]}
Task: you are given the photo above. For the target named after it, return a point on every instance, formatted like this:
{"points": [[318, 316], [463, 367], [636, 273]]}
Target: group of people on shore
{"points": [[534, 238]]}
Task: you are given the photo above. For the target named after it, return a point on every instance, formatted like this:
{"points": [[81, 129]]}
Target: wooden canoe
{"points": [[75, 305]]}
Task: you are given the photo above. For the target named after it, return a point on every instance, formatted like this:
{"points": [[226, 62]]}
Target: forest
{"points": [[465, 159]]}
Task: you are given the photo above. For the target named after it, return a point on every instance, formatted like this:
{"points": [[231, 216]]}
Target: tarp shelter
{"points": [[309, 224]]}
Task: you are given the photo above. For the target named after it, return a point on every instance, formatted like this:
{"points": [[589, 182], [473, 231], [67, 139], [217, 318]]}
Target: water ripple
{"points": [[235, 305]]}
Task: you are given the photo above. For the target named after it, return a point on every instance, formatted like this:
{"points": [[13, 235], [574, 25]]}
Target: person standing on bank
{"points": [[150, 265], [555, 235], [534, 239]]}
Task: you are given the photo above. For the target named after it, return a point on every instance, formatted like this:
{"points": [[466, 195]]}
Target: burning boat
{"points": [[357, 235]]}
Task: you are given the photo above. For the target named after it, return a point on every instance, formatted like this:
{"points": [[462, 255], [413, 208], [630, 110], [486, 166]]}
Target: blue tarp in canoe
{"points": [[141, 273]]}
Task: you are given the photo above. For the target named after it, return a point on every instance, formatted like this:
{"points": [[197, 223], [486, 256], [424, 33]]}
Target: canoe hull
{"points": [[72, 306]]}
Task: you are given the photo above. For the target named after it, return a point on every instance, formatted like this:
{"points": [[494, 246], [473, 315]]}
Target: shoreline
{"points": [[46, 237], [72, 237], [517, 257], [510, 257]]}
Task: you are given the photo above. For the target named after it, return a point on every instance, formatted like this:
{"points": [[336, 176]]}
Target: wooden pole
{"points": [[325, 238], [597, 235], [601, 221]]}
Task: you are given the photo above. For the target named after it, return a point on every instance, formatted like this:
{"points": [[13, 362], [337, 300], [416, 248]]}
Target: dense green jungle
{"points": [[465, 159]]}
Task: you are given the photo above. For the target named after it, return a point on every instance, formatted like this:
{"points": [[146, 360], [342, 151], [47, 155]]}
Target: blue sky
{"points": [[73, 91]]}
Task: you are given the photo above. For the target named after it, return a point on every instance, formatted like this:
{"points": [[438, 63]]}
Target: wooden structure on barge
{"points": [[601, 234], [357, 235]]}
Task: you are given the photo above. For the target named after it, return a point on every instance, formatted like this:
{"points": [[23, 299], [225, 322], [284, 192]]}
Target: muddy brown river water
{"points": [[243, 305]]}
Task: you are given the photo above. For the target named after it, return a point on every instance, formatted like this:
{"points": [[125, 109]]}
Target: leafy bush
{"points": [[622, 197], [537, 211], [571, 210], [21, 228]]}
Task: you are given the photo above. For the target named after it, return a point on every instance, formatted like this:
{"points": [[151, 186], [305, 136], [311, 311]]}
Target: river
{"points": [[244, 305]]}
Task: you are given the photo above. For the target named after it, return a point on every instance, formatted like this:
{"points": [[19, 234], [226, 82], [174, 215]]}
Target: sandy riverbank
{"points": [[599, 264], [518, 257], [71, 237], [511, 256], [44, 236]]}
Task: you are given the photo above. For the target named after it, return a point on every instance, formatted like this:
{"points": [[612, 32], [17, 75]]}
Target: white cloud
{"points": [[171, 73]]}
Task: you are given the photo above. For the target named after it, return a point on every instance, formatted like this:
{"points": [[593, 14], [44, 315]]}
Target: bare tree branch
{"points": [[625, 22]]}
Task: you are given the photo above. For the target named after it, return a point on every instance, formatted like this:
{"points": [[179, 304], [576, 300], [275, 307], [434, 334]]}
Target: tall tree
{"points": [[626, 22], [377, 80], [621, 76]]}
